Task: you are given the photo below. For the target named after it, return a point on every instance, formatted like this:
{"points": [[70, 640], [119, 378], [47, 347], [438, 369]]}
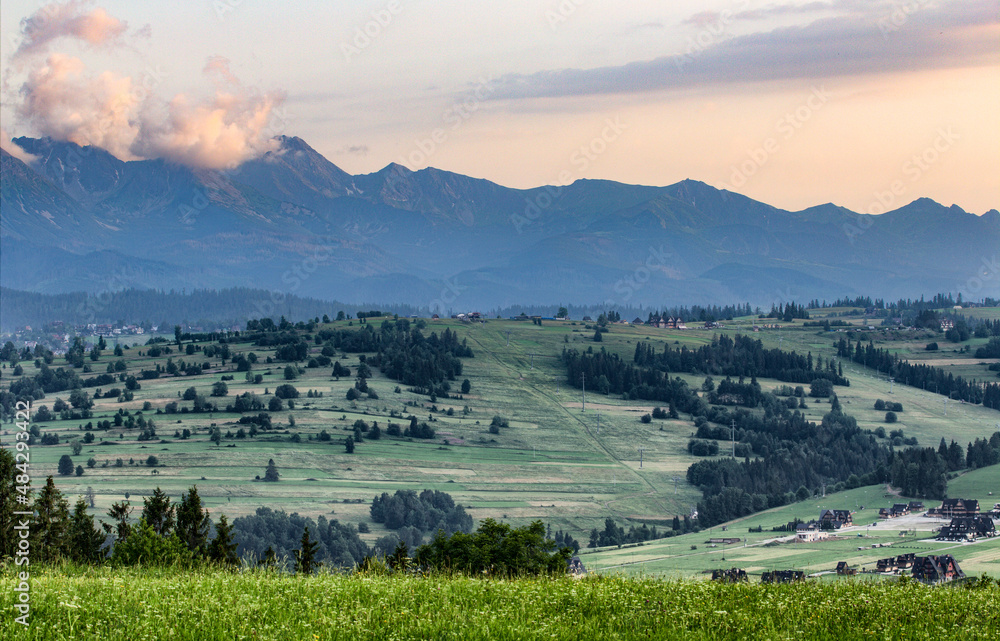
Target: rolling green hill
{"points": [[569, 465]]}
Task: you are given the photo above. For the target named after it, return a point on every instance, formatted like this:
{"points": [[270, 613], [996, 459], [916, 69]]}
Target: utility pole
{"points": [[640, 458], [508, 338], [733, 425], [891, 381], [532, 361], [598, 422], [583, 383]]}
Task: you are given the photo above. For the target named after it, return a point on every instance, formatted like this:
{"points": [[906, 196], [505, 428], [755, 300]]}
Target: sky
{"points": [[868, 104]]}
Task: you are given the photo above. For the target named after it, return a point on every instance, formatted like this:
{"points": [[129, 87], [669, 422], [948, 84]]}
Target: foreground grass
{"points": [[136, 604]]}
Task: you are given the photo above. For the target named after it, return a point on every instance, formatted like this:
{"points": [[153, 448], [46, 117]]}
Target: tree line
{"points": [[739, 356]]}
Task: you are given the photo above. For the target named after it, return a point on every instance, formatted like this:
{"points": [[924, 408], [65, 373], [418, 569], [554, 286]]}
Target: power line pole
{"points": [[583, 383], [733, 425], [640, 458], [508, 338]]}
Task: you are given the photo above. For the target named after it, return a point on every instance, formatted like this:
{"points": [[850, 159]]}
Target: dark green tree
{"points": [[222, 549], [119, 513], [65, 465], [85, 539], [192, 521], [271, 474], [158, 512], [305, 556], [51, 527], [9, 499]]}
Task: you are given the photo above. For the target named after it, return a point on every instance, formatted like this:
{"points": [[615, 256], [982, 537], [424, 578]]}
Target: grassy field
{"points": [[568, 465], [136, 604]]}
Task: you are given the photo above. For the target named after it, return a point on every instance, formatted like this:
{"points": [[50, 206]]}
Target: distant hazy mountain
{"points": [[293, 222]]}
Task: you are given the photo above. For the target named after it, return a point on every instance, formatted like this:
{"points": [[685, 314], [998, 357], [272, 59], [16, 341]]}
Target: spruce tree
{"points": [[305, 556], [222, 549], [158, 512], [85, 540], [193, 521], [51, 525], [9, 501], [119, 513], [271, 475]]}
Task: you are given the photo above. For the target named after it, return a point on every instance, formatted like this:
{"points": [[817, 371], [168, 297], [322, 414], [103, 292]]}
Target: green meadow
{"points": [[569, 458], [204, 605]]}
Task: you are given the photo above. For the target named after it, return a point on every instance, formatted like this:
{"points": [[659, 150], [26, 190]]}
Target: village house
{"points": [[936, 569], [843, 569], [898, 509], [732, 575], [968, 528], [810, 532], [951, 508], [783, 576], [896, 563], [835, 519]]}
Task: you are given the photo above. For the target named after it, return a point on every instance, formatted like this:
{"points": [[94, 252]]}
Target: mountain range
{"points": [[79, 219]]}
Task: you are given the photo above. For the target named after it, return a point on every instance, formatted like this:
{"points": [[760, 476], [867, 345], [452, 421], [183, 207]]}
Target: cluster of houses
{"points": [[894, 564], [900, 509], [930, 569], [820, 528], [661, 322]]}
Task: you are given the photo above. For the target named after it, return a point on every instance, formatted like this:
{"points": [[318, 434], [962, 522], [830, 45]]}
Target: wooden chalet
{"points": [[843, 569], [951, 508], [898, 509], [968, 528], [916, 506], [936, 569], [783, 576], [835, 519], [665, 322], [895, 563], [638, 321], [732, 575]]}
